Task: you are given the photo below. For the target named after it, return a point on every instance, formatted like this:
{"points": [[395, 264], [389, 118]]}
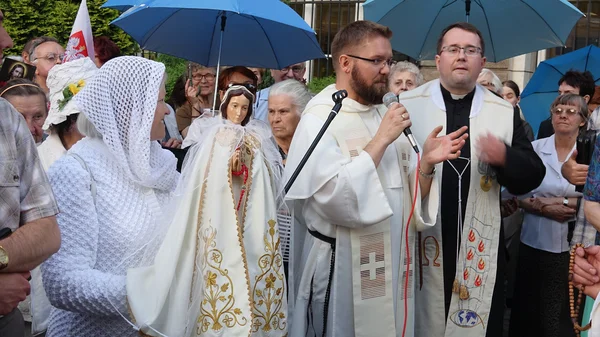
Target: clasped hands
{"points": [[551, 208], [585, 270]]}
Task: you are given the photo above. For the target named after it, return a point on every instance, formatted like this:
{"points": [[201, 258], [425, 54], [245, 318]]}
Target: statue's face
{"points": [[237, 109]]}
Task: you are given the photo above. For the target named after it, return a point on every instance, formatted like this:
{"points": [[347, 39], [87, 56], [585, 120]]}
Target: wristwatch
{"points": [[3, 258], [566, 201]]}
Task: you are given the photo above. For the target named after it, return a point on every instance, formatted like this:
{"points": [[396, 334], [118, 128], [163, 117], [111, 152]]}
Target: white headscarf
{"points": [[121, 101]]}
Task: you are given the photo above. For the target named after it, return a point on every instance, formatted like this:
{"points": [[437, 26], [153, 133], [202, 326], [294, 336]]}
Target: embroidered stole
{"points": [[372, 268], [478, 253]]}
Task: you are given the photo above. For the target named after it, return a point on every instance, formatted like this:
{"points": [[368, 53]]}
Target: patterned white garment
{"points": [[133, 177]]}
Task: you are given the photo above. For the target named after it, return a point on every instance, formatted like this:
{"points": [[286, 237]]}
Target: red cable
{"points": [[412, 210]]}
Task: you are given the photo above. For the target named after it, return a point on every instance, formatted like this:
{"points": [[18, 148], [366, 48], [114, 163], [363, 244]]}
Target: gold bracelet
{"points": [[427, 175]]}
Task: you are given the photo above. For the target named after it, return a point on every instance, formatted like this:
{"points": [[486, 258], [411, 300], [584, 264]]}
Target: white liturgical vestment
{"points": [[343, 195]]}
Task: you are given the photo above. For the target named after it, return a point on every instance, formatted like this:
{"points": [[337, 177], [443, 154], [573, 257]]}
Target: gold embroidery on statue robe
{"points": [[269, 286], [218, 306]]}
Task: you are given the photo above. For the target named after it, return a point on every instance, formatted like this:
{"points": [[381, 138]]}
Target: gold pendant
{"points": [[455, 286], [464, 293], [486, 183]]}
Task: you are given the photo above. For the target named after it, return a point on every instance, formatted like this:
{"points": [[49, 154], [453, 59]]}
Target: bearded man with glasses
{"points": [[46, 53], [353, 275], [462, 259]]}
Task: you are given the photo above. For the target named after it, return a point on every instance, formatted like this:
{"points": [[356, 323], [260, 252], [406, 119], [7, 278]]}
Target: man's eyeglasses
{"points": [[51, 57], [453, 50], [559, 111], [295, 69], [200, 77], [376, 62]]}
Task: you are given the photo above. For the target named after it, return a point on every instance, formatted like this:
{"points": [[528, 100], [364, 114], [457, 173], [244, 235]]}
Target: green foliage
{"points": [[25, 19], [318, 84], [175, 67], [267, 80]]}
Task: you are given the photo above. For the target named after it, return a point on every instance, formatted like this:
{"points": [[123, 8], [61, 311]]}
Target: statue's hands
{"points": [[236, 161]]}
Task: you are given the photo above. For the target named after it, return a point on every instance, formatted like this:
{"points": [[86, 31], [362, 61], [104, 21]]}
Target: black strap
{"points": [[332, 242], [322, 237]]}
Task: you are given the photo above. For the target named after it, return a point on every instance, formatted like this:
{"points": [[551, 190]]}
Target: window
{"points": [[585, 32]]}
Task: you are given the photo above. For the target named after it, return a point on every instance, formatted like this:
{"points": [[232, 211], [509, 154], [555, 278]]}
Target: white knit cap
{"points": [[75, 74]]}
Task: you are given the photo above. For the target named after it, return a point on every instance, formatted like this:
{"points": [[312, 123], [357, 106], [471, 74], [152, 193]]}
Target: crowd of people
{"points": [[124, 213]]}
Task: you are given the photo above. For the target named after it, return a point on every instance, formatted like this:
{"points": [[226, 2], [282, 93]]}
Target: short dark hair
{"points": [[463, 26], [234, 93], [64, 126], [578, 79], [514, 86], [226, 74], [354, 34], [23, 88], [105, 49]]}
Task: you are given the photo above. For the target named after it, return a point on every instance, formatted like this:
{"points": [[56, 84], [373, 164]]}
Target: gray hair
{"points": [[296, 90], [572, 100], [36, 43], [495, 79], [86, 127], [403, 66]]}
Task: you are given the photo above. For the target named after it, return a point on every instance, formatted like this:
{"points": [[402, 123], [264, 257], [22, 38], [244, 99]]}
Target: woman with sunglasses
{"points": [[219, 269], [541, 302]]}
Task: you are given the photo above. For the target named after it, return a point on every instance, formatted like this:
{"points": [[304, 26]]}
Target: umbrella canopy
{"points": [[542, 88], [254, 33], [122, 5], [509, 27]]}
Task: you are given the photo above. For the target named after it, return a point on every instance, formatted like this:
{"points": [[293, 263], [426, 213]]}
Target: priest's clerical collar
{"points": [[449, 97]]}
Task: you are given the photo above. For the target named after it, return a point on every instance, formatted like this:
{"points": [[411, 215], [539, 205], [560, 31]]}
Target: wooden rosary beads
{"points": [[575, 308]]}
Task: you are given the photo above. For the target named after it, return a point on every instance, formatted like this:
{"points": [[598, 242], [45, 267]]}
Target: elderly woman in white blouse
{"points": [[543, 261], [111, 188]]}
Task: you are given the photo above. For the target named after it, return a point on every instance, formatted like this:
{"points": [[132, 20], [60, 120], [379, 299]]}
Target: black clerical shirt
{"points": [[522, 172]]}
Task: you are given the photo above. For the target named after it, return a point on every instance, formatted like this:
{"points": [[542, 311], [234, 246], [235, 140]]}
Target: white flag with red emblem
{"points": [[81, 41]]}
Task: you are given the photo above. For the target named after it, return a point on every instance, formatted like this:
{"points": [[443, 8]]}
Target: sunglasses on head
{"points": [[251, 87]]}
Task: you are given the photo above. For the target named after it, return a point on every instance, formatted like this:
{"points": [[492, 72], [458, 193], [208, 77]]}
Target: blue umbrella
{"points": [[509, 27], [542, 88], [122, 5], [254, 33]]}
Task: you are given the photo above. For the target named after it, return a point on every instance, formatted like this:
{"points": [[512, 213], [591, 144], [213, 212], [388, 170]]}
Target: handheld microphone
{"points": [[391, 98]]}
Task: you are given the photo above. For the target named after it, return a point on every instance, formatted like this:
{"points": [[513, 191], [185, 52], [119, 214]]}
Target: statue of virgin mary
{"points": [[219, 270]]}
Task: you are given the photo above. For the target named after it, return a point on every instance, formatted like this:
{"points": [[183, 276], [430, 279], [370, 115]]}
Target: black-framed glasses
{"points": [[454, 50], [569, 111], [376, 62], [200, 77]]}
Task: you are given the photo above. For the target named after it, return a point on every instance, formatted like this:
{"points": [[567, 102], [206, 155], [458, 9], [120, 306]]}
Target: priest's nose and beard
{"points": [[370, 93]]}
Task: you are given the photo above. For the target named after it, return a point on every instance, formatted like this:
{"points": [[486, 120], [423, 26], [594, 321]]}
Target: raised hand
{"points": [[575, 173], [191, 92], [491, 150], [395, 120], [440, 148]]}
